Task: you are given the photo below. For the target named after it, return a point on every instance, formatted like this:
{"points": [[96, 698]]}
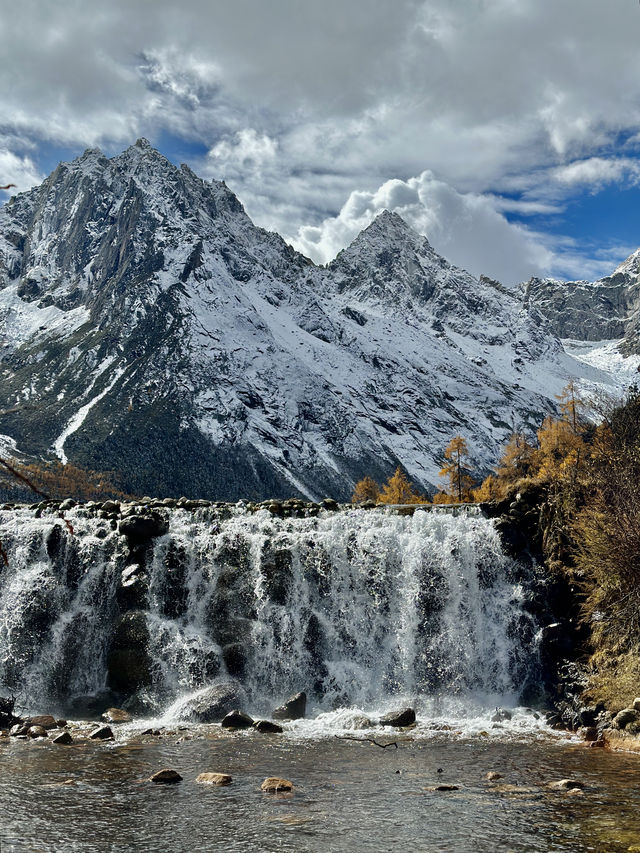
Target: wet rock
{"points": [[214, 779], [142, 703], [211, 704], [166, 777], [90, 706], [293, 709], [493, 776], [276, 785], [141, 528], [69, 503], [356, 722], [37, 731], [44, 720], [19, 730], [625, 717], [102, 733], [61, 723], [588, 733], [237, 720], [133, 588], [116, 715], [399, 719], [636, 704], [267, 727], [501, 715], [329, 504], [565, 785], [63, 739], [128, 663], [275, 566], [443, 788], [235, 659]]}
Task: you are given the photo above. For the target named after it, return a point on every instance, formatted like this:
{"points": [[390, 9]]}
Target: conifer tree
{"points": [[365, 489], [398, 490], [455, 470]]}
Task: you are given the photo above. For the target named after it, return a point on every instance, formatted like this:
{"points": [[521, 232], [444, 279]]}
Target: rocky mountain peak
{"points": [[631, 266], [155, 330]]}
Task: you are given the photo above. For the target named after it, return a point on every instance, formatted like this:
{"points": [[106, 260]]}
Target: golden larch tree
{"points": [[398, 490], [365, 489], [455, 470]]}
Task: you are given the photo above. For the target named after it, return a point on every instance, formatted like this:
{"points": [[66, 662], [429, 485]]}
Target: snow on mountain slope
{"points": [[592, 311], [149, 327]]}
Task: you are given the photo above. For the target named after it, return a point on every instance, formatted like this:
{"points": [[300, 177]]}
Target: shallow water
{"points": [[349, 796]]}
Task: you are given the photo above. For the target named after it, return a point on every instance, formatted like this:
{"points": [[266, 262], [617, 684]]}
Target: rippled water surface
{"points": [[349, 796]]}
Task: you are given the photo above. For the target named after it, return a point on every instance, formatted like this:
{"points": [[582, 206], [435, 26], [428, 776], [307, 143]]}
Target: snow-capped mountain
{"points": [[150, 328], [607, 309]]}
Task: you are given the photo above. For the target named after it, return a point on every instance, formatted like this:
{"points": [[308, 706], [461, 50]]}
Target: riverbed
{"points": [[350, 795]]}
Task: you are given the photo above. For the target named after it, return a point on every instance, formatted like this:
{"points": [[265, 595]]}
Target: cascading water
{"points": [[357, 607]]}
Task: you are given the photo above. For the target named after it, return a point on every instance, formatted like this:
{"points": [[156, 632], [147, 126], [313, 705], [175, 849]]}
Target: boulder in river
{"points": [[211, 704], [293, 709], [63, 739], [166, 777], [116, 715], [44, 720], [102, 733], [266, 727], [236, 719], [214, 779], [399, 719], [37, 731], [276, 785]]}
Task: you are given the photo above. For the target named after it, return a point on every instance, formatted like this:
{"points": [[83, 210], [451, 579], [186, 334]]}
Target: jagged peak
{"points": [[630, 265], [387, 230], [389, 222]]}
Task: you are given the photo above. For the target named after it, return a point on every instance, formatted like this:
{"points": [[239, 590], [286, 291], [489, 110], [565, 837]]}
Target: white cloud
{"points": [[248, 150], [466, 228], [17, 170], [307, 110], [595, 172]]}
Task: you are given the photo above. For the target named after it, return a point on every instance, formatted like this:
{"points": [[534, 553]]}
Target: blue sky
{"points": [[507, 131]]}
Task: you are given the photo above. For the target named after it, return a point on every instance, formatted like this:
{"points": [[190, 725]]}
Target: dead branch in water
{"points": [[367, 739]]}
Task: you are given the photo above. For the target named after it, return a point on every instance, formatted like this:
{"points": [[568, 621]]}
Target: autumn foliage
{"points": [[397, 490], [56, 480]]}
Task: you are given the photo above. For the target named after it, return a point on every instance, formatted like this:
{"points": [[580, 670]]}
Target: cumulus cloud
{"points": [[17, 170], [308, 109], [464, 227]]}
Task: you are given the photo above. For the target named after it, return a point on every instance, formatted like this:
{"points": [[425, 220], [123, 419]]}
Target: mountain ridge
{"points": [[151, 328]]}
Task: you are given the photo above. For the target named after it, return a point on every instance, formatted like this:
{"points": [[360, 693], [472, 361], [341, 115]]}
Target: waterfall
{"points": [[356, 607]]}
